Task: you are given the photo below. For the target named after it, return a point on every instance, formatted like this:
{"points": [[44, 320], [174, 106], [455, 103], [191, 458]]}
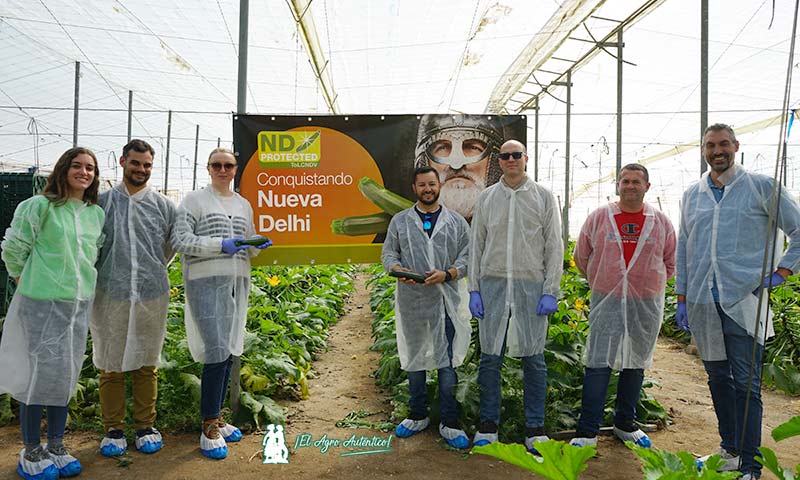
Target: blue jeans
{"points": [[595, 387], [30, 422], [213, 387], [534, 387], [728, 381], [418, 403]]}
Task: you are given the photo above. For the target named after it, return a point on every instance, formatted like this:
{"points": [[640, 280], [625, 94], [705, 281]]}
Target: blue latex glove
{"points": [[229, 245], [264, 245], [774, 279], [681, 317], [547, 305], [476, 304]]}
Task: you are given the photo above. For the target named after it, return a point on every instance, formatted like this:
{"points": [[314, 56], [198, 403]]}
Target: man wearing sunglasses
{"points": [[433, 321], [463, 151], [516, 259]]}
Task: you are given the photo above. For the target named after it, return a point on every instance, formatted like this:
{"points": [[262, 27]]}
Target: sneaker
{"points": [[486, 434], [636, 436], [533, 435], [212, 445], [229, 432], [749, 476], [114, 443], [36, 465], [455, 437], [409, 427], [583, 441], [730, 461], [67, 465], [148, 440]]}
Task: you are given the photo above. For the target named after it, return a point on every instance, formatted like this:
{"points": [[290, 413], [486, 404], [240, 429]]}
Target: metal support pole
{"points": [[241, 107], [619, 105], [536, 141], [218, 140], [77, 103], [194, 170], [703, 78], [166, 156], [565, 215], [241, 98], [130, 113]]}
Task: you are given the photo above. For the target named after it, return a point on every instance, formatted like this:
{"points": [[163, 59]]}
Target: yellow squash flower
{"points": [[273, 280]]}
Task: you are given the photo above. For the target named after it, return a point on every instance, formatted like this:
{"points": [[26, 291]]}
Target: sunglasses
{"points": [[507, 155], [220, 166]]}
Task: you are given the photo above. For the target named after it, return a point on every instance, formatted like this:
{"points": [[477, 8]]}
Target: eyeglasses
{"points": [[219, 166], [507, 155]]}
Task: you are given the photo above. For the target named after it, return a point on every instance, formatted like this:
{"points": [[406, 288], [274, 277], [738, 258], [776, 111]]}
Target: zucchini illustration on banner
{"points": [[308, 142], [386, 200], [363, 225]]}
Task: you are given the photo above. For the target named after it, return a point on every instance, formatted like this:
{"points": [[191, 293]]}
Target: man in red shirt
{"points": [[626, 250]]}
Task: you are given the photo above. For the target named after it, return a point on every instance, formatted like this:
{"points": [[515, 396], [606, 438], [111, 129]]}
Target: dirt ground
{"points": [[343, 385]]}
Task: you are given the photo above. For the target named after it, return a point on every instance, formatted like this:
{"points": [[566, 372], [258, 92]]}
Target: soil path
{"points": [[343, 385]]}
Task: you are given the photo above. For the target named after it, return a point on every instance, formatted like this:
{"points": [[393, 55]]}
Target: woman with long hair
{"points": [[210, 226], [50, 251]]}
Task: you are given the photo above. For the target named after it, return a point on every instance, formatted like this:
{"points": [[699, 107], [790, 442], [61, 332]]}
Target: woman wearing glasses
{"points": [[210, 225]]}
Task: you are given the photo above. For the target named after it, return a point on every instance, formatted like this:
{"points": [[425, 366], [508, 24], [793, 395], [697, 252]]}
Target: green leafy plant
{"points": [[770, 460], [559, 460], [663, 465]]}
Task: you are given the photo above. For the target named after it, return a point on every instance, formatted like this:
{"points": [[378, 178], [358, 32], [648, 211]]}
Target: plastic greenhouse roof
{"points": [[392, 56]]}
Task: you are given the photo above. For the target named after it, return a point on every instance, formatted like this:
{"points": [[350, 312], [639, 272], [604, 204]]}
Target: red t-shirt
{"points": [[630, 227]]}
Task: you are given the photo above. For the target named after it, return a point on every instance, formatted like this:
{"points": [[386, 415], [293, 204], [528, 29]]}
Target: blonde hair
{"points": [[221, 150]]}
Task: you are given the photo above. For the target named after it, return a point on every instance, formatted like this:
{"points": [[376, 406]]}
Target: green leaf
{"points": [[787, 430], [770, 460], [191, 382], [559, 461]]}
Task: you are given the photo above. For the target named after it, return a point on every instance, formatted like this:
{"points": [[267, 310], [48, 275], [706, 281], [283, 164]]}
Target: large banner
{"points": [[325, 188]]}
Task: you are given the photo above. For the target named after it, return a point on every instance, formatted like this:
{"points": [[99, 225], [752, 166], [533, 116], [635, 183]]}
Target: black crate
{"points": [[14, 189]]}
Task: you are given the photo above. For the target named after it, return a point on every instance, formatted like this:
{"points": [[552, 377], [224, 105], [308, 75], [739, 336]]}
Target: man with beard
{"points": [[433, 320], [725, 218], [128, 321], [463, 151], [515, 265], [626, 250]]}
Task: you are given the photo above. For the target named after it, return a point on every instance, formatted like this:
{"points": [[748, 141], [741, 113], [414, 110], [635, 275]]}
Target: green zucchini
{"points": [[386, 200], [363, 225], [253, 241], [417, 277]]}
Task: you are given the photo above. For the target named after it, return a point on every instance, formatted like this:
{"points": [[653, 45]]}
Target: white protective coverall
{"points": [[420, 309], [516, 256], [217, 284], [726, 241], [627, 301], [130, 308], [52, 249]]}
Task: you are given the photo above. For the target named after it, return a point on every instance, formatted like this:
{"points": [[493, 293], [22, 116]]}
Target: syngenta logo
{"points": [[274, 443], [290, 149]]}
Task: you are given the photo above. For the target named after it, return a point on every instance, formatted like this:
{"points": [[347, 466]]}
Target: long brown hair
{"points": [[57, 188]]}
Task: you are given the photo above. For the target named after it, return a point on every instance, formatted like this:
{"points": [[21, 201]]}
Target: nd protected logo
{"points": [[289, 149]]}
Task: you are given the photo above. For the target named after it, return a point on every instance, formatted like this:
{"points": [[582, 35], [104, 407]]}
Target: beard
{"points": [[721, 168], [457, 194], [133, 181]]}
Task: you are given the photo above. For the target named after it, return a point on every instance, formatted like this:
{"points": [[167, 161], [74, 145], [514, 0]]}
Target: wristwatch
{"points": [[447, 276]]}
